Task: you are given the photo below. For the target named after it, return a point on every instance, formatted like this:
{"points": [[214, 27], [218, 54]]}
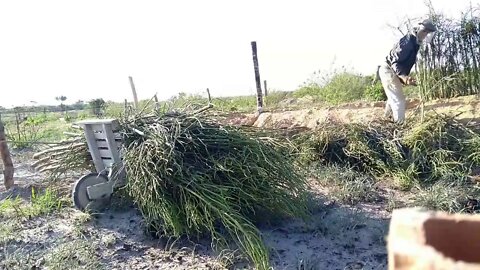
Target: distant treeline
{"points": [[95, 105]]}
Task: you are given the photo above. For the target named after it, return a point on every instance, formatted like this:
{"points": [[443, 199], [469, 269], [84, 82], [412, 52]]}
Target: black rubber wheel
{"points": [[79, 193]]}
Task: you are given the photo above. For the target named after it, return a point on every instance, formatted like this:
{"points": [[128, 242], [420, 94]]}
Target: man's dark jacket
{"points": [[404, 55]]}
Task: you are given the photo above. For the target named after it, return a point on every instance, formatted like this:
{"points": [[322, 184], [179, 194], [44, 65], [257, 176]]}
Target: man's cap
{"points": [[428, 25]]}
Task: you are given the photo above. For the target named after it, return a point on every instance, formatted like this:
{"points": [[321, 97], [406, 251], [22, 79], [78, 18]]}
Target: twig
{"points": [[71, 134], [134, 91], [209, 106], [56, 149], [138, 132]]}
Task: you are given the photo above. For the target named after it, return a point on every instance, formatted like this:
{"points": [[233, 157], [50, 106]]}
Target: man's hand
{"points": [[407, 80]]}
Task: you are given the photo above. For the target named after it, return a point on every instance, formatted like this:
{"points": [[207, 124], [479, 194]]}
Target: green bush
{"points": [[240, 103], [274, 98], [312, 89], [38, 119], [114, 110], [340, 87], [97, 106], [83, 115], [375, 93], [184, 100], [344, 87]]}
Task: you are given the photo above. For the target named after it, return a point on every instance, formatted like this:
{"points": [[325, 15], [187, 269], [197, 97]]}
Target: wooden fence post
{"points": [[265, 87], [6, 158], [157, 105], [209, 97], [18, 119], [125, 107], [135, 99], [257, 78]]}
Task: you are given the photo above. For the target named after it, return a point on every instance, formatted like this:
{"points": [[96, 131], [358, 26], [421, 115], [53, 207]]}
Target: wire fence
{"points": [[27, 126]]}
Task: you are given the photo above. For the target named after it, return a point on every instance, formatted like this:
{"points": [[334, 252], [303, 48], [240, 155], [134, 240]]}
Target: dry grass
{"points": [[77, 254], [346, 185], [448, 195]]}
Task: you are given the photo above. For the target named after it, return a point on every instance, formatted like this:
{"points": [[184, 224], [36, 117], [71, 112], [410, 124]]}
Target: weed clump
{"points": [[347, 185], [419, 153]]}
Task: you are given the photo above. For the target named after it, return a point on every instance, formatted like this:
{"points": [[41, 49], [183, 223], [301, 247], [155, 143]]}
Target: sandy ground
{"points": [[336, 237], [466, 108]]}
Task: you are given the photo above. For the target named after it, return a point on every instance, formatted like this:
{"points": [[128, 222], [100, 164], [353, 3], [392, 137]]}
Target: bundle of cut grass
{"points": [[363, 147], [189, 176], [68, 156], [417, 153]]}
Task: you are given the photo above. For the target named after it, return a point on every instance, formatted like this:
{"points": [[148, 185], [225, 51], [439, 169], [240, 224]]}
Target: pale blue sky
{"points": [[87, 49]]}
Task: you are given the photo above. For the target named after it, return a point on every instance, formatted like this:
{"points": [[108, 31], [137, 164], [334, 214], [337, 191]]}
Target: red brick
{"points": [[421, 240]]}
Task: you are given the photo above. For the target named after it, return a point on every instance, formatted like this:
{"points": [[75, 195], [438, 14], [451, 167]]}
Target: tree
{"points": [[61, 99], [79, 105], [97, 106]]}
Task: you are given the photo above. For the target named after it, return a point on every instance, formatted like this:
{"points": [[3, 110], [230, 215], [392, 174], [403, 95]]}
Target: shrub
{"points": [[375, 93], [344, 86], [97, 106]]}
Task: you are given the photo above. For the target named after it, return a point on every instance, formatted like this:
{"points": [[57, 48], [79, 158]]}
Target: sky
{"points": [[88, 49]]}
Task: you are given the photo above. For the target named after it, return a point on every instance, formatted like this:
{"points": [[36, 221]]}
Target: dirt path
{"points": [[467, 108], [336, 237]]}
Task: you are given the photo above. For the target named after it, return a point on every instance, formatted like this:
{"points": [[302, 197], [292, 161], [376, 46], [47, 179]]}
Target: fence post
{"points": [[6, 158], [125, 107], [265, 87], [209, 97], [257, 78], [17, 122], [135, 99], [157, 104]]}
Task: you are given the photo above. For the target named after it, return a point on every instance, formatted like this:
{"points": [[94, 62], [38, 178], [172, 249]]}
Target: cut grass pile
{"points": [[190, 175], [69, 155], [417, 154]]}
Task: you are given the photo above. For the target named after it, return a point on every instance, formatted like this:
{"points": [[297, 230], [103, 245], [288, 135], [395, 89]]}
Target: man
{"points": [[395, 73]]}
